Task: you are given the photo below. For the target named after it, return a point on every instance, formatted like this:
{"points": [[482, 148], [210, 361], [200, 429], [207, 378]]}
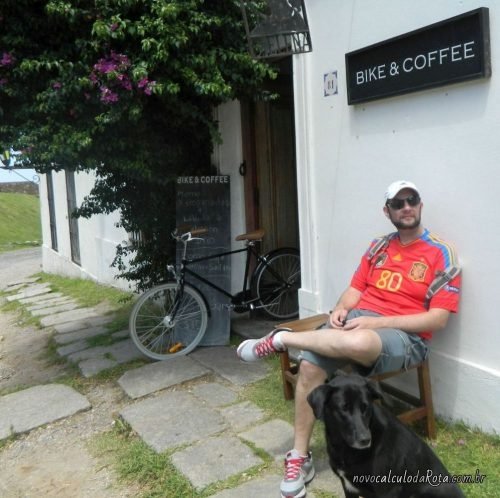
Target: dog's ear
{"points": [[375, 389], [317, 399]]}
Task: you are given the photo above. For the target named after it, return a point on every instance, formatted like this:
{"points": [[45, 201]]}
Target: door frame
{"points": [[249, 168]]}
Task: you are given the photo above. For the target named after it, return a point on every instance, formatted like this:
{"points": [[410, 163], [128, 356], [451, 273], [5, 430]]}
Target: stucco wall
{"points": [[98, 235], [446, 141]]}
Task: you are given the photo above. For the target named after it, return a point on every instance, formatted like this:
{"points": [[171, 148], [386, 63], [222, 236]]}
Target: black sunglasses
{"points": [[412, 200]]}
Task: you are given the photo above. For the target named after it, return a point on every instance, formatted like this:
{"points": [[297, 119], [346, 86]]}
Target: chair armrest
{"points": [[303, 324]]}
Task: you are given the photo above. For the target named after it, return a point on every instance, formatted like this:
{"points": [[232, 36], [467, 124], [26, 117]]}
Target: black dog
{"points": [[372, 452]]}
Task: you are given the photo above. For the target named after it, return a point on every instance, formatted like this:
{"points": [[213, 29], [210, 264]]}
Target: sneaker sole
{"points": [[302, 494], [238, 350]]}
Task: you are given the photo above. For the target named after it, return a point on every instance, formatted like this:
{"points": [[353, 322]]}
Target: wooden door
{"points": [[269, 149]]}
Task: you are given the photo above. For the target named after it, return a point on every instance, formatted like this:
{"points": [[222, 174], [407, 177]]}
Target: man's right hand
{"points": [[338, 317], [348, 301]]}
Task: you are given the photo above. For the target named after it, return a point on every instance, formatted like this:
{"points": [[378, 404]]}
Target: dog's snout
{"points": [[363, 443]]}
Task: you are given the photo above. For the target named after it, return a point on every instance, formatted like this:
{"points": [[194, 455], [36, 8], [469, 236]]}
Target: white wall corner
{"points": [[308, 299]]}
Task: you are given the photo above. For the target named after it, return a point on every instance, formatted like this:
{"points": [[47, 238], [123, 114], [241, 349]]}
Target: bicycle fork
{"points": [[169, 318]]}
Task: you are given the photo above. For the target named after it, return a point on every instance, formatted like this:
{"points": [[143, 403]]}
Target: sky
{"points": [[17, 175]]}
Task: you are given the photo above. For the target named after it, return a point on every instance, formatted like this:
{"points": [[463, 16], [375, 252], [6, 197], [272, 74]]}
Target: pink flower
{"points": [[105, 66], [124, 81], [121, 59], [57, 85], [116, 68], [108, 96], [149, 89], [146, 85], [7, 59], [113, 27], [142, 83]]}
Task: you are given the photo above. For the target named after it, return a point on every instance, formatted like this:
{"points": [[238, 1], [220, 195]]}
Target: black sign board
{"points": [[449, 51], [204, 201]]}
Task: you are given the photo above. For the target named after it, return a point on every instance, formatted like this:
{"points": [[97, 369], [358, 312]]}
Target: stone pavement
{"points": [[189, 405]]}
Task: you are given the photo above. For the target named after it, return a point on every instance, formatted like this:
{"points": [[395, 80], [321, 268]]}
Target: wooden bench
{"points": [[420, 408]]}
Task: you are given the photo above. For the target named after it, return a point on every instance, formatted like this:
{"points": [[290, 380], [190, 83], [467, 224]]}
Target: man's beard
{"points": [[401, 225]]}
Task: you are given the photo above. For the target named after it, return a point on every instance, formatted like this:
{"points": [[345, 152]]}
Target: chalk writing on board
{"points": [[204, 201]]}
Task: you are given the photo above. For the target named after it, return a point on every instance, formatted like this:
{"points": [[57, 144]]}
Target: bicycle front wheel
{"points": [[166, 323], [276, 284]]}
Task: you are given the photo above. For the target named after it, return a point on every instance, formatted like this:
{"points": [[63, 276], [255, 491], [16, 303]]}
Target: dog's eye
{"points": [[363, 407]]}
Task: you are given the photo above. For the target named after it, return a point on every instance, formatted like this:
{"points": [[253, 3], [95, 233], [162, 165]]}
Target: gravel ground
{"points": [[52, 461]]}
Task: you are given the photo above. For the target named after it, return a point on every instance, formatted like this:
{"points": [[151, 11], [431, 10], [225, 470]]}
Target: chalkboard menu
{"points": [[204, 201]]}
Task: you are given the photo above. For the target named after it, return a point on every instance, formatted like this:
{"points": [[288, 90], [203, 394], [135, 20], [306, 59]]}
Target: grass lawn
{"points": [[19, 221]]}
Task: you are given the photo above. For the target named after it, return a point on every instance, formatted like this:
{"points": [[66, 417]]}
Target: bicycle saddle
{"points": [[254, 235]]}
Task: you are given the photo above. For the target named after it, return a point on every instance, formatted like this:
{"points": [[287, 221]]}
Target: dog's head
{"points": [[346, 405]]}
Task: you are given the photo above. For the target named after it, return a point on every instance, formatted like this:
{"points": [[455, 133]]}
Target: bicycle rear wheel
{"points": [[276, 284], [165, 324]]}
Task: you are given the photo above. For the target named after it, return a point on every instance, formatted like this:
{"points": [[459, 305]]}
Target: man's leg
{"points": [[360, 345], [310, 376], [299, 469]]}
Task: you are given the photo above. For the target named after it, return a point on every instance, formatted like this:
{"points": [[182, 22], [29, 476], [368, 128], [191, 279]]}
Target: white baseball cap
{"points": [[395, 187]]}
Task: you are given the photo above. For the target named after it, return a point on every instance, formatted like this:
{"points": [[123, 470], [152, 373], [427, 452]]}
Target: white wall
{"points": [[228, 156], [98, 235], [446, 141]]}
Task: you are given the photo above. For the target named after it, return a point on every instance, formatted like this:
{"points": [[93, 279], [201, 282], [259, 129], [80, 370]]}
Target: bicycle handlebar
{"points": [[186, 233]]}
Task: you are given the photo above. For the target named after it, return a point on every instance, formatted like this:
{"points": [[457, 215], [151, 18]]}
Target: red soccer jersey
{"points": [[396, 280]]}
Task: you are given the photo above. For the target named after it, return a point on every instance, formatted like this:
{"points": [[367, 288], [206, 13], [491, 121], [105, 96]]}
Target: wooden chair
{"points": [[419, 407]]}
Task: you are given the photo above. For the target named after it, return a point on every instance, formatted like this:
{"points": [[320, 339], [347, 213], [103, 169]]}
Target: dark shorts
{"points": [[400, 351]]}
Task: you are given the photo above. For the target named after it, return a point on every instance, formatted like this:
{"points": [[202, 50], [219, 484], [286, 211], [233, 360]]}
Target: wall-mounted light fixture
{"points": [[276, 28]]}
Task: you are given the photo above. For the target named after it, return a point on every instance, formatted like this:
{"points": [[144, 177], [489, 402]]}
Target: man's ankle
{"points": [[300, 450], [278, 340]]}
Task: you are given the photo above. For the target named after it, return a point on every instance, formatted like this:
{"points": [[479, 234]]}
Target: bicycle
{"points": [[170, 319]]}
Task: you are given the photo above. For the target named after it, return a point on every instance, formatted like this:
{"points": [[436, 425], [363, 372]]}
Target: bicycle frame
{"points": [[185, 270], [185, 262]]}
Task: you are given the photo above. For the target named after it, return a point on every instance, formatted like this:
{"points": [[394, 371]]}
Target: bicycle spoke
{"points": [[162, 329], [277, 284]]}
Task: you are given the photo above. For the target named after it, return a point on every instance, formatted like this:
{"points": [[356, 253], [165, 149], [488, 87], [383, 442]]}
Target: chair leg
{"points": [[424, 384]]}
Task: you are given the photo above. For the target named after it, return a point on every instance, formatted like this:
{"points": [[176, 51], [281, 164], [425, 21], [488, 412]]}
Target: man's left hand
{"points": [[363, 322]]}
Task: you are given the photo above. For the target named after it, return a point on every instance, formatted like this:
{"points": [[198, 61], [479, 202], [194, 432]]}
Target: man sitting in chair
{"points": [[404, 289]]}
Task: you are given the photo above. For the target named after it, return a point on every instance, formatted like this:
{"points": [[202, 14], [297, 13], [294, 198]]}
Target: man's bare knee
{"points": [[310, 375], [364, 347]]}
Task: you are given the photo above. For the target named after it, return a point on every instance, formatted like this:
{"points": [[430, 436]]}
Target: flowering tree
{"points": [[126, 89]]}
